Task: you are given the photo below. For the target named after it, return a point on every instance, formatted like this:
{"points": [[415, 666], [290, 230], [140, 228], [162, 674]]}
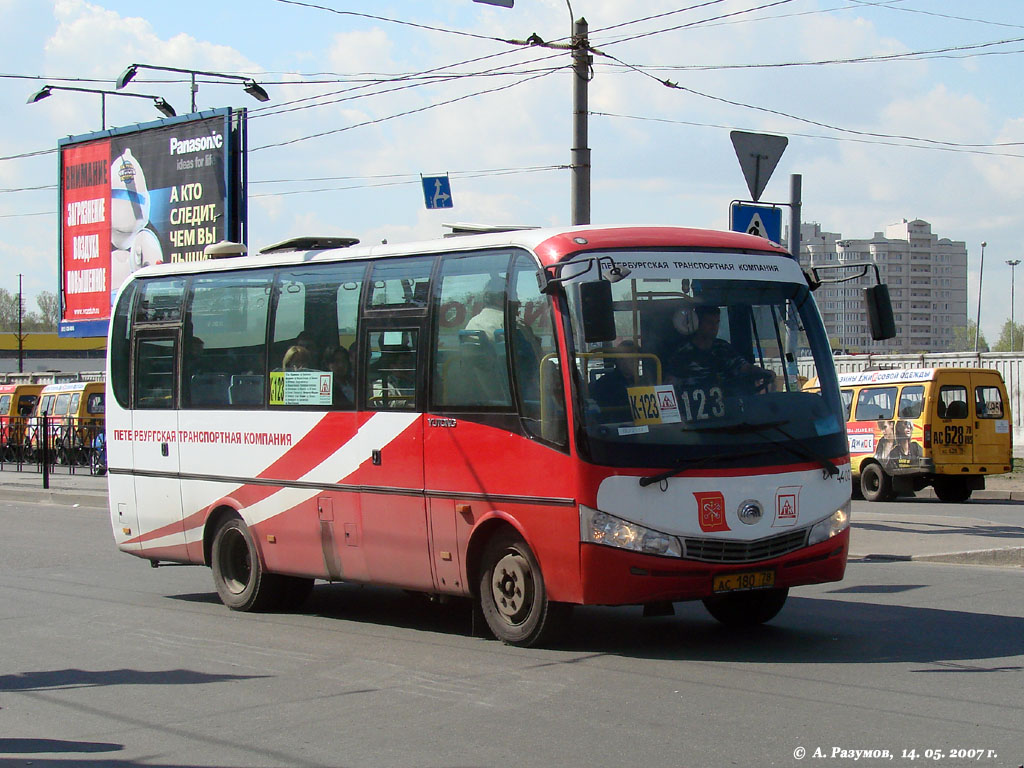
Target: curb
{"points": [[88, 499], [1002, 558], [929, 493]]}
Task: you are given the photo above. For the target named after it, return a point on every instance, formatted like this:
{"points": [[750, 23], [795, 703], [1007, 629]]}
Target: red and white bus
{"points": [[533, 419]]}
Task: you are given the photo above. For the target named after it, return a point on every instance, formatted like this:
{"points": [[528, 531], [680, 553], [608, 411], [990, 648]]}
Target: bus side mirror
{"points": [[879, 309], [597, 310]]}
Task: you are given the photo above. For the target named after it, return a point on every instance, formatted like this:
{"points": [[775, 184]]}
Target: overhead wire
{"points": [[966, 149], [405, 113]]}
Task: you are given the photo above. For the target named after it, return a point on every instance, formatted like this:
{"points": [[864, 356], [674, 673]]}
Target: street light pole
{"points": [[162, 106], [981, 273], [580, 153], [1013, 265]]}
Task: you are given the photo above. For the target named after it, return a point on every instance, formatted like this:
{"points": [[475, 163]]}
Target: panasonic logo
{"points": [[198, 144]]}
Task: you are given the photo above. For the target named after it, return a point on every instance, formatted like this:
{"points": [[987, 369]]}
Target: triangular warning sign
{"points": [[756, 226]]}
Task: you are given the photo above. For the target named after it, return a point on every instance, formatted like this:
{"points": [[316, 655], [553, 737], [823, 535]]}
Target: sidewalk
{"points": [[908, 533]]}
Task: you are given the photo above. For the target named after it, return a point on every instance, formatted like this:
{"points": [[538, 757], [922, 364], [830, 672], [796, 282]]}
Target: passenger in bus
{"points": [[609, 391], [297, 359], [338, 361], [491, 317], [703, 357]]}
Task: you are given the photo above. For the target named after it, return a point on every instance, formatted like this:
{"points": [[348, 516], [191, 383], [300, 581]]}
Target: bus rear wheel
{"points": [[747, 609], [238, 575], [512, 594], [875, 483]]}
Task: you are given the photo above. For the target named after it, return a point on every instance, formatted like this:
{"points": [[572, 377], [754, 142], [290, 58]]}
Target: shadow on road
{"points": [[809, 630], [55, 679]]}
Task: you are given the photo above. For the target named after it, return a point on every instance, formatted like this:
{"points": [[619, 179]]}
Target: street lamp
{"points": [[165, 109], [981, 272], [250, 86], [1013, 264]]}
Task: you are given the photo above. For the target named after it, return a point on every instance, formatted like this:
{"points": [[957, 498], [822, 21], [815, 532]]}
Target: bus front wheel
{"points": [[875, 483], [512, 594], [747, 609], [238, 575]]}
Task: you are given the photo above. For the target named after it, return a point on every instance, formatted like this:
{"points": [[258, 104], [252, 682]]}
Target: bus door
{"points": [[953, 427], [992, 440], [393, 531], [155, 441]]}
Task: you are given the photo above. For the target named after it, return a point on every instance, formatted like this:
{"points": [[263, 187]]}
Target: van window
{"points": [[60, 408], [911, 402], [95, 404], [5, 404], [988, 402], [876, 403], [76, 398], [952, 402], [847, 398], [26, 403]]}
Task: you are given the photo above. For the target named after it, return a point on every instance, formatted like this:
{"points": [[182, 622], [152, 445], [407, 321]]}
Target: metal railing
{"points": [[48, 444]]}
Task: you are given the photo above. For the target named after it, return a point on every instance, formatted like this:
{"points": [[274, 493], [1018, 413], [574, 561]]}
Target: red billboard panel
{"points": [[155, 193]]}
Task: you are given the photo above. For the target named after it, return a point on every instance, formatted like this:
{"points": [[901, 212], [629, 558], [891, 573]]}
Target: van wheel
{"points": [[238, 575], [747, 609], [875, 483], [952, 490], [512, 595]]}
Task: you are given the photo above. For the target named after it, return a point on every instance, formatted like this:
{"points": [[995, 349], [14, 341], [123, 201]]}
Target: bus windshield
{"points": [[703, 366]]}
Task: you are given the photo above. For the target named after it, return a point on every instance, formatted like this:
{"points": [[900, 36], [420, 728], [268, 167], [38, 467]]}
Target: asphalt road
{"points": [[106, 661]]}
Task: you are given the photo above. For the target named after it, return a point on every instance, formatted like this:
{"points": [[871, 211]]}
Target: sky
{"points": [[894, 109]]}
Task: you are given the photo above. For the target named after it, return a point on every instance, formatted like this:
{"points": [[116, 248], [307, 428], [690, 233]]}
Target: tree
{"points": [[8, 310], [963, 338], [49, 308], [1003, 345]]}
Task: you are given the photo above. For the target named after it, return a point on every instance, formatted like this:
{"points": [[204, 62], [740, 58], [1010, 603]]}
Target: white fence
{"points": [[1009, 364]]}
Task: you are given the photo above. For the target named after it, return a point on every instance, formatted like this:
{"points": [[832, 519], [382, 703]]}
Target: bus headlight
{"points": [[834, 524], [597, 527]]}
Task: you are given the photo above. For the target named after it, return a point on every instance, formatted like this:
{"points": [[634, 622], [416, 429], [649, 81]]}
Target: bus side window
{"points": [[154, 372], [470, 357], [225, 361], [536, 366], [316, 316], [391, 369]]}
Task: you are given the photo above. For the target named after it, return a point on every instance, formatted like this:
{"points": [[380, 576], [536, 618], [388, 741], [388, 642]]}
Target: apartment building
{"points": [[927, 278]]}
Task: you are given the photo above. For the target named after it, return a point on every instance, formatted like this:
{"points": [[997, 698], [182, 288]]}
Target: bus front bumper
{"points": [[612, 576]]}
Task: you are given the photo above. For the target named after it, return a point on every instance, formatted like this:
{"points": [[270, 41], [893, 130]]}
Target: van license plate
{"points": [[741, 582]]}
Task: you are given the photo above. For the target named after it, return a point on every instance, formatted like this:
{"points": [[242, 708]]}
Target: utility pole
{"points": [[981, 274], [1013, 266], [580, 153], [21, 336]]}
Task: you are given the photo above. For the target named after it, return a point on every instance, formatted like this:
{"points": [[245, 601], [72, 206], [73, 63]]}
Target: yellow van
{"points": [[914, 427], [17, 403], [75, 413]]}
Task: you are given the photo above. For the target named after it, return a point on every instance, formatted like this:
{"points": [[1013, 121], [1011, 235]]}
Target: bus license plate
{"points": [[740, 582]]}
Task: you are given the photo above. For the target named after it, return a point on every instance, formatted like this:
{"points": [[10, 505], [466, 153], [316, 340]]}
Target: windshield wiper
{"points": [[793, 448], [690, 464]]}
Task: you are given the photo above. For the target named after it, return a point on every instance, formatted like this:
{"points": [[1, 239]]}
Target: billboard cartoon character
{"points": [[135, 244]]}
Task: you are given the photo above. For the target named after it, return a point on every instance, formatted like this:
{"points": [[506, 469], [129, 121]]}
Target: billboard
{"points": [[152, 193]]}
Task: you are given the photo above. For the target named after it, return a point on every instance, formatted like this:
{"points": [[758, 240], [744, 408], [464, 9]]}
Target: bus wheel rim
{"points": [[237, 563], [512, 587]]}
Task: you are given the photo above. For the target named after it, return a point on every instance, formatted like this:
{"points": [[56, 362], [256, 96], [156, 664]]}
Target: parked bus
{"points": [[75, 413], [533, 419], [17, 403], [915, 427]]}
